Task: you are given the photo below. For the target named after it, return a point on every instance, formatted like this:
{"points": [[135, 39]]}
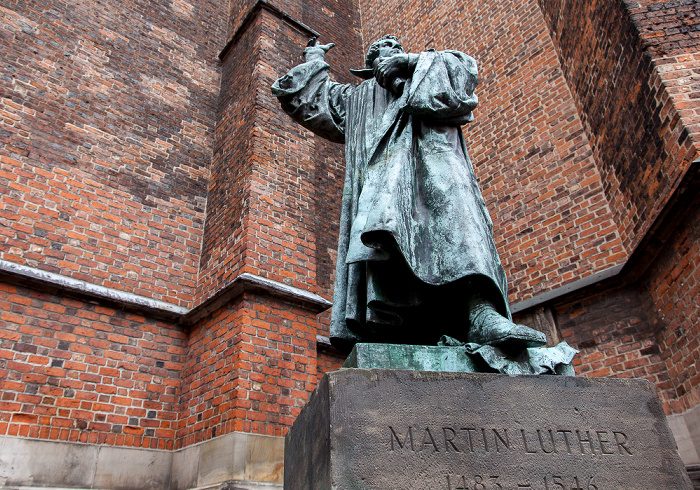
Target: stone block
{"points": [[127, 468], [241, 458], [385, 429], [222, 459], [684, 439], [185, 468], [264, 459], [28, 462]]}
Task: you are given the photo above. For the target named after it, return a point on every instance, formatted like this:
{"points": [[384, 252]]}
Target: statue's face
{"points": [[389, 47]]}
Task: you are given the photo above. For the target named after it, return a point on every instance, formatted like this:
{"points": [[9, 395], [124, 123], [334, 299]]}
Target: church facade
{"points": [[168, 234]]}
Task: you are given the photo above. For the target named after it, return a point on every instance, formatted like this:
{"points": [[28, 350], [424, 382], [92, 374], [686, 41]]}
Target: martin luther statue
{"points": [[416, 257]]}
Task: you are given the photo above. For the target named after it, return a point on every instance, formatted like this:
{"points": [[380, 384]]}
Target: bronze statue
{"points": [[416, 257]]}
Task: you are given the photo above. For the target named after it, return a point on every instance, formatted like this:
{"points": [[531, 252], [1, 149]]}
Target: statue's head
{"points": [[383, 48]]}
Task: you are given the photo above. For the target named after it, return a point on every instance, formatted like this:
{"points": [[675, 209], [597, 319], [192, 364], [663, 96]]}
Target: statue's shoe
{"points": [[489, 327]]}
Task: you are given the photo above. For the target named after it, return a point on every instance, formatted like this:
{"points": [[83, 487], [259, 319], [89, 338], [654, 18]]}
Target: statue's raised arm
{"points": [[309, 96]]}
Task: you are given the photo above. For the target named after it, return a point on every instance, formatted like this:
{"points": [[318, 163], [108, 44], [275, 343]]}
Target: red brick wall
{"points": [[610, 326], [641, 142], [107, 113], [238, 11], [250, 368], [281, 215], [671, 33], [633, 70], [273, 197], [668, 27], [337, 21], [77, 371], [552, 224], [306, 173], [672, 297], [328, 359], [224, 242]]}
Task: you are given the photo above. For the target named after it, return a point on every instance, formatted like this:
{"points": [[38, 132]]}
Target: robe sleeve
{"points": [[442, 87], [309, 96]]}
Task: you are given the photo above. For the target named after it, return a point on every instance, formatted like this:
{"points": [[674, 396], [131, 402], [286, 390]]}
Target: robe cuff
{"points": [[298, 78]]}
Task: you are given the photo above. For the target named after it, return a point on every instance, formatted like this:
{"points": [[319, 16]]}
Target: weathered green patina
{"points": [[416, 245], [412, 357], [454, 357]]}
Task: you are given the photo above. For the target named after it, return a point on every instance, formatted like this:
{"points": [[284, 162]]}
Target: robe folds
{"points": [[415, 238]]}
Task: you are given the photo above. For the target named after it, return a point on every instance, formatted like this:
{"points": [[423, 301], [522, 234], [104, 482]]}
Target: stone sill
{"points": [[237, 460]]}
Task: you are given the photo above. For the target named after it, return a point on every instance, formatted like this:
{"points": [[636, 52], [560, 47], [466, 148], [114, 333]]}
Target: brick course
{"points": [[250, 368], [107, 114], [640, 141], [272, 206], [76, 371], [668, 28], [612, 329], [672, 296]]}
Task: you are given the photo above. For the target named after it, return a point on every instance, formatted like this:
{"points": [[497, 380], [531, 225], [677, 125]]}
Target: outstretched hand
{"points": [[316, 51]]}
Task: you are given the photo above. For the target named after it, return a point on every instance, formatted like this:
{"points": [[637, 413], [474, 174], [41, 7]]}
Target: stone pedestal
{"points": [[402, 429]]}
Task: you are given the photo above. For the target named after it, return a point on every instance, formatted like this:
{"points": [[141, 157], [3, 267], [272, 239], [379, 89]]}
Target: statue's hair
{"points": [[373, 51]]}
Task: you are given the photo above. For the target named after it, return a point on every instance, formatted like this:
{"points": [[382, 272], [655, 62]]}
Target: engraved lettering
{"points": [[551, 438], [586, 440], [409, 436], [527, 450], [566, 439], [497, 437], [473, 482], [602, 442], [449, 439], [427, 436], [583, 441], [461, 484], [558, 482], [621, 440], [469, 430]]}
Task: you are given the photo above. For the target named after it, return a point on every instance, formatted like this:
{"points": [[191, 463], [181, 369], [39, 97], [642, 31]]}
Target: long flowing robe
{"points": [[415, 238]]}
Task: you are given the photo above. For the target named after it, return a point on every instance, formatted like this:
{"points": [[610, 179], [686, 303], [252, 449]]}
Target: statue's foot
{"points": [[490, 327]]}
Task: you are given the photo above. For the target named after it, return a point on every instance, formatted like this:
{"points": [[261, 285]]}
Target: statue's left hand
{"points": [[316, 51]]}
